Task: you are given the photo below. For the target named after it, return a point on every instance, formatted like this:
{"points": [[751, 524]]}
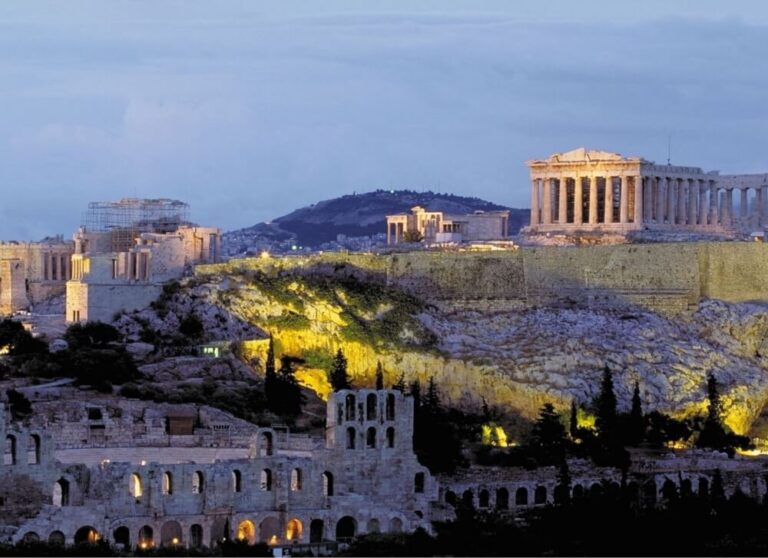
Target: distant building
{"points": [[127, 250], [436, 226], [32, 271]]}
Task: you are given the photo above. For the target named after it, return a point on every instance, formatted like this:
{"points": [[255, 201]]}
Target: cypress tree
{"points": [[606, 419], [399, 385], [290, 396], [337, 375], [563, 488], [713, 434], [636, 421], [432, 399], [573, 426], [379, 376], [415, 392], [716, 491], [269, 365], [548, 436], [271, 382]]}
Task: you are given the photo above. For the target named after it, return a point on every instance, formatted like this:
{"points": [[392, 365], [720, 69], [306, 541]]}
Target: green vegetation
{"points": [[337, 374]]}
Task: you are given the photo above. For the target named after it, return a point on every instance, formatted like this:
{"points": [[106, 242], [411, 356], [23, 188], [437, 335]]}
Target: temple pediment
{"points": [[583, 154]]}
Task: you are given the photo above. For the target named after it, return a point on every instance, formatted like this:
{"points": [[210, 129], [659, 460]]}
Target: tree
{"points": [[90, 334], [432, 399], [547, 438], [563, 488], [282, 390], [636, 420], [337, 375], [573, 425], [20, 406], [191, 326], [714, 433], [415, 392], [606, 420], [18, 340], [717, 491], [379, 376], [269, 365], [399, 385], [413, 236], [663, 429]]}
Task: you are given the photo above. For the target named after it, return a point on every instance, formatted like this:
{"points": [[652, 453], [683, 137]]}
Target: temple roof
{"points": [[584, 155]]}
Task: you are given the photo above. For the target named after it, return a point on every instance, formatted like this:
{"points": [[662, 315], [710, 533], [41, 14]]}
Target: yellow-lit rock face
{"points": [[523, 328]]}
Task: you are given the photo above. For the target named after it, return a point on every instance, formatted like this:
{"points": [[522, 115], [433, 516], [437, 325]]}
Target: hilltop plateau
{"points": [[354, 215]]}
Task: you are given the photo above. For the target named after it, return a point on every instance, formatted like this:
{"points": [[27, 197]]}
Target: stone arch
{"points": [[686, 488], [316, 530], [540, 495], [61, 493], [371, 402], [297, 479], [171, 534], [30, 537], [450, 497], [294, 530], [57, 538], [146, 537], [246, 531], [122, 536], [521, 496], [483, 498], [596, 490], [703, 487], [373, 526], [669, 490], [266, 443], [649, 491], [196, 535], [269, 530], [167, 483], [418, 482], [198, 482], [351, 437], [266, 480], [135, 485], [346, 528], [87, 535], [328, 483], [502, 498], [370, 438], [468, 498], [33, 449], [395, 525], [390, 437], [578, 492], [390, 406], [349, 405], [220, 529], [633, 491], [237, 481], [10, 450]]}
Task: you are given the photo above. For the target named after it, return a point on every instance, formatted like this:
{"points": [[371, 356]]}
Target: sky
{"points": [[248, 110]]}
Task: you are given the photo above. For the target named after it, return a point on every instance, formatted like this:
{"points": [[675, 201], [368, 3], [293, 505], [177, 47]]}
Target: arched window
{"points": [[293, 530], [269, 530], [418, 483], [350, 406], [246, 531], [390, 437], [171, 534], [395, 525], [502, 499], [136, 487], [167, 483], [33, 450], [370, 438], [266, 444], [450, 497], [87, 535], [370, 406], [521, 496], [327, 484], [390, 411], [297, 480], [237, 481], [146, 537], [10, 450], [468, 498], [198, 482], [121, 536], [316, 529], [483, 499], [578, 492], [266, 480], [540, 495], [373, 526], [196, 536], [351, 435], [30, 537], [346, 529], [704, 487], [56, 538], [61, 493]]}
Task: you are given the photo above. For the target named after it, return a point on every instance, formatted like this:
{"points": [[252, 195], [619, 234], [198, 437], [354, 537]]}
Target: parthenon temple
{"points": [[598, 191]]}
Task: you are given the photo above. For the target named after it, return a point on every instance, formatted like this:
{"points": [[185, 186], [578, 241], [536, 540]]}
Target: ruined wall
{"points": [[102, 301]]}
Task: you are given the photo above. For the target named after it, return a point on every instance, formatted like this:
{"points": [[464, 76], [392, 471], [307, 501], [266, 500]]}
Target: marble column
{"points": [[578, 201], [563, 203], [624, 201], [703, 209], [714, 214], [693, 199], [608, 213], [728, 207], [639, 202], [661, 197], [546, 204], [671, 200], [593, 200], [535, 202], [681, 184], [762, 192], [647, 199]]}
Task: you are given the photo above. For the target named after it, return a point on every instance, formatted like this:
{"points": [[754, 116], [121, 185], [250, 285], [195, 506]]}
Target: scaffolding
{"points": [[127, 218]]}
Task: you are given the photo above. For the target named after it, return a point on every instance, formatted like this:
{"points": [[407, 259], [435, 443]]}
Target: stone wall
{"points": [[102, 301]]}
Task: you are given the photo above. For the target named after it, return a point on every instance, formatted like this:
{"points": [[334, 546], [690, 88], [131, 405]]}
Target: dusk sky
{"points": [[247, 110]]}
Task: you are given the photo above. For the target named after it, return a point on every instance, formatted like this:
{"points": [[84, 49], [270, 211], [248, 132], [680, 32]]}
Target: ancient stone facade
{"points": [[598, 191], [439, 227], [32, 271], [140, 477], [123, 266]]}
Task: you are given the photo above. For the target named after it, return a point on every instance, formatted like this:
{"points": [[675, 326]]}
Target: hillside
{"points": [[355, 215]]}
